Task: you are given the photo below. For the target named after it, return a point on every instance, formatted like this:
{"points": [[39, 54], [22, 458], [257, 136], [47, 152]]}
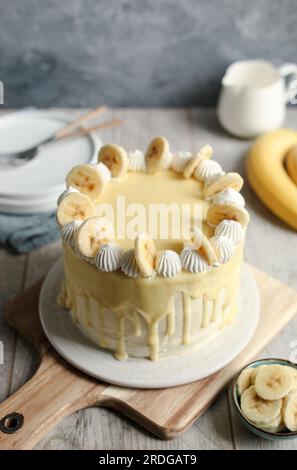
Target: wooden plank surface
{"points": [[166, 412], [270, 245]]}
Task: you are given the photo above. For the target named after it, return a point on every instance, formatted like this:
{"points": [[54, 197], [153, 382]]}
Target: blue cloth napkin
{"points": [[25, 233]]}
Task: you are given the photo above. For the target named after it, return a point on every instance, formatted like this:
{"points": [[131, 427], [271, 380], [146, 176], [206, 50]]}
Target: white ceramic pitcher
{"points": [[254, 95]]}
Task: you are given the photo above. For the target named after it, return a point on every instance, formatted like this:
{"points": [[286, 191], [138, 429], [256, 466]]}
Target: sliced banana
{"points": [[145, 254], [228, 211], [276, 425], [290, 411], [273, 382], [255, 373], [291, 164], [294, 375], [92, 234], [258, 410], [88, 179], [247, 378], [204, 153], [219, 183], [199, 242], [115, 158], [75, 206], [157, 155], [244, 380]]}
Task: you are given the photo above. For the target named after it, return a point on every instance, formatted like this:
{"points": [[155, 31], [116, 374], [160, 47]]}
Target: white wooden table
{"points": [[271, 245]]}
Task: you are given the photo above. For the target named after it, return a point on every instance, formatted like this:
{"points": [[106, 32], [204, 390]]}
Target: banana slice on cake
{"points": [[157, 155], [92, 234], [230, 211], [75, 206], [115, 158], [257, 409], [204, 153], [145, 254], [199, 242], [291, 164], [88, 179], [218, 183], [273, 382], [290, 411]]}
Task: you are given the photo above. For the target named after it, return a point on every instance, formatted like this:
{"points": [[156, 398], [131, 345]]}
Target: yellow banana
{"points": [[291, 164], [268, 176]]}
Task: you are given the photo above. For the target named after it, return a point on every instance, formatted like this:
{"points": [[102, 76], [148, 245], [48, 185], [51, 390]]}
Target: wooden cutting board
{"points": [[57, 389]]}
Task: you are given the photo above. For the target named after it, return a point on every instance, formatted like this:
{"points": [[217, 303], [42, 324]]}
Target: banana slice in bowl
{"points": [[274, 418], [258, 410]]}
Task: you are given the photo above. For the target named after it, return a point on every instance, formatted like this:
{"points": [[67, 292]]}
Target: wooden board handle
{"points": [[54, 392]]}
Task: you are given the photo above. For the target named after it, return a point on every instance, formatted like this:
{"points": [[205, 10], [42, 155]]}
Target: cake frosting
{"points": [[146, 294]]}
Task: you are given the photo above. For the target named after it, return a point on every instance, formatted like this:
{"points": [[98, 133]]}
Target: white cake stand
{"points": [[143, 373]]}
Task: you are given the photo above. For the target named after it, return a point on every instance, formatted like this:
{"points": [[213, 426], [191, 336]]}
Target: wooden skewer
{"points": [[87, 130], [85, 117]]}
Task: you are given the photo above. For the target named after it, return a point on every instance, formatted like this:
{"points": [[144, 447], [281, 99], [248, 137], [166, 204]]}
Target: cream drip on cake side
{"points": [[152, 300], [161, 310]]}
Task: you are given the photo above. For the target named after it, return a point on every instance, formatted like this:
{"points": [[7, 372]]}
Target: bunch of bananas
{"points": [[272, 173]]}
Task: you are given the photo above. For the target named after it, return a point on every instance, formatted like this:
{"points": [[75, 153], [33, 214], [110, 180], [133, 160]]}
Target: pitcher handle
{"points": [[289, 71]]}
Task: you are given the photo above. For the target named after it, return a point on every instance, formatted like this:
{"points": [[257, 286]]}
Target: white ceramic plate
{"points": [[28, 206], [39, 182], [143, 373]]}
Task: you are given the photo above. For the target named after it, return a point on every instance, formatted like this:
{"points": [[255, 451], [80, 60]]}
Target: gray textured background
{"points": [[135, 52]]}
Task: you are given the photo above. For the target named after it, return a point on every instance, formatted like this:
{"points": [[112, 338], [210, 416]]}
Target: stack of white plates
{"points": [[35, 186]]}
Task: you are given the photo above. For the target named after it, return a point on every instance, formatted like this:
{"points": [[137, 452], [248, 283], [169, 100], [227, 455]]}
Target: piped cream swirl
{"points": [[129, 265], [136, 161], [229, 195], [206, 169], [104, 171], [230, 229], [223, 246], [180, 160], [168, 263], [69, 232], [108, 257], [193, 261]]}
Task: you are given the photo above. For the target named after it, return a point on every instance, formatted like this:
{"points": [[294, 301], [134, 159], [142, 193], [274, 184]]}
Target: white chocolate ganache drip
{"points": [[162, 314], [143, 296]]}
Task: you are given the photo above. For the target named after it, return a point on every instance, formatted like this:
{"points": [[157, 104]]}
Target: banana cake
{"points": [[153, 246]]}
